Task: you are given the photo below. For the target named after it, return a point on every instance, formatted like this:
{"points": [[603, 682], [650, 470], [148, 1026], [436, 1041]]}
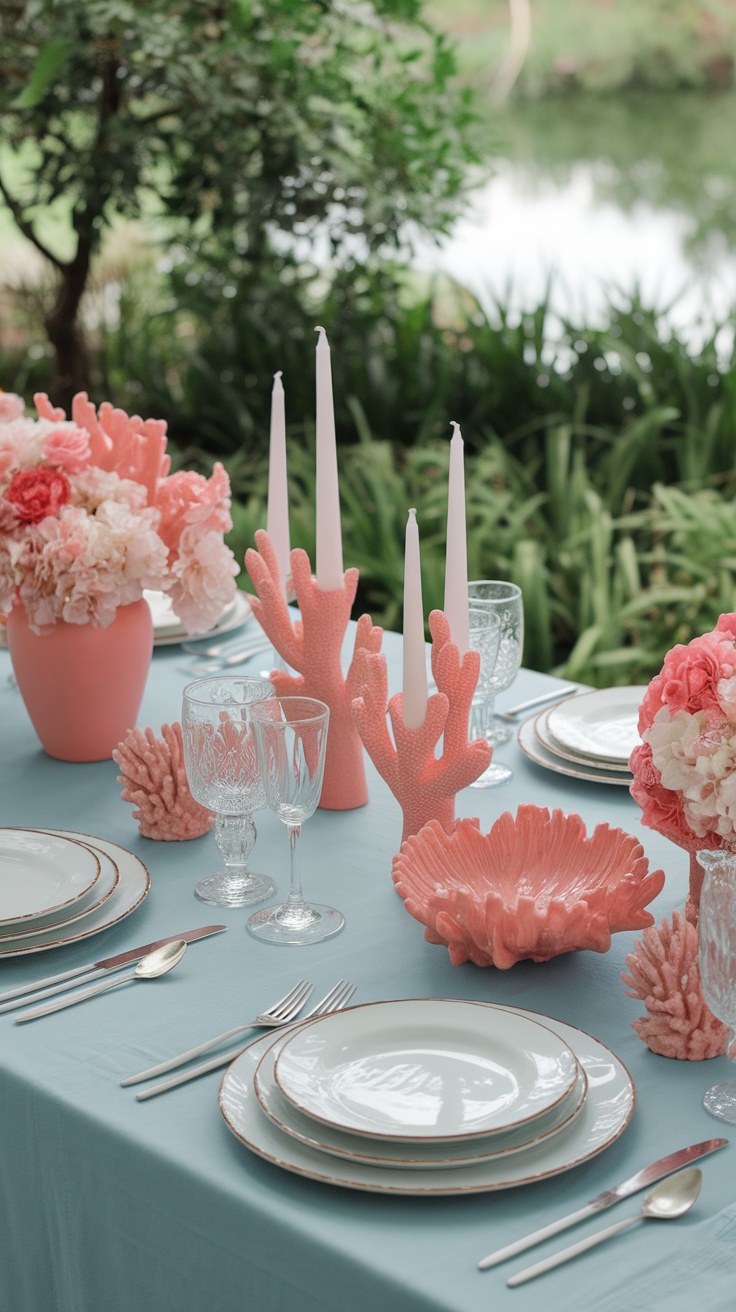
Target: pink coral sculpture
{"points": [[424, 785], [155, 782], [665, 975], [313, 647], [533, 887]]}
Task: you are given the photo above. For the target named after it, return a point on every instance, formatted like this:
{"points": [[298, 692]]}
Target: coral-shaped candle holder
{"points": [[666, 977], [155, 782], [425, 785], [312, 646], [534, 887]]}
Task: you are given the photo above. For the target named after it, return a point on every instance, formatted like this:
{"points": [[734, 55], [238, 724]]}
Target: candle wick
{"points": [[319, 328], [413, 511], [456, 426], [278, 374]]}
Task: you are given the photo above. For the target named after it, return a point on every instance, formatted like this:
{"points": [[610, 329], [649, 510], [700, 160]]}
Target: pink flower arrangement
{"points": [[90, 517], [685, 769]]}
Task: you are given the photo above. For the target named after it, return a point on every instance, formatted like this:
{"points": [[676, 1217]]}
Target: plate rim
{"points": [[79, 915], [382, 1137], [27, 917], [418, 1189]]}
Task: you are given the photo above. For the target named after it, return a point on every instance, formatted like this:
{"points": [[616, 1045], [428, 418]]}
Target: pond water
{"points": [[606, 196]]}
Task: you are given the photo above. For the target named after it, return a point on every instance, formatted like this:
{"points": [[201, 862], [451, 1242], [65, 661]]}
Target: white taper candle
{"points": [[456, 559], [328, 567], [414, 687]]}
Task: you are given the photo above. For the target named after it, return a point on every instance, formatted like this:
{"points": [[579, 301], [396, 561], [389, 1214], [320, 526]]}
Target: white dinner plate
{"points": [[566, 753], [606, 1112], [424, 1069], [407, 1156], [100, 892], [41, 874], [235, 614], [132, 888], [534, 749], [600, 725]]}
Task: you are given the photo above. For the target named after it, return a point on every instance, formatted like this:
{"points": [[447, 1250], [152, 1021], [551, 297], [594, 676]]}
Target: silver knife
{"points": [[556, 695], [657, 1171], [69, 979]]}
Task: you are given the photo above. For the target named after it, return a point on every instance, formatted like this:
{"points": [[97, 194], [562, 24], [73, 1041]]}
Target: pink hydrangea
{"points": [[11, 406]]}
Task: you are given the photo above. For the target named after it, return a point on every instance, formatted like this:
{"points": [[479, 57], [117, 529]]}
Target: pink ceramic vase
{"points": [[83, 686]]}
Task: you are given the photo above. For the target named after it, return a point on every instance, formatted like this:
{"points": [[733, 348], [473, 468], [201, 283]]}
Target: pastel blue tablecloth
{"points": [[107, 1203]]}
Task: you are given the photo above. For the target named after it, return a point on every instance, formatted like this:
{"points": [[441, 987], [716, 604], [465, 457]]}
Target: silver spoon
{"points": [[150, 967], [671, 1198]]}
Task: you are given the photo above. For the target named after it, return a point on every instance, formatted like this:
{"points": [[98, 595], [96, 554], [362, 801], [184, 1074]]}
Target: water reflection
{"points": [[628, 194]]}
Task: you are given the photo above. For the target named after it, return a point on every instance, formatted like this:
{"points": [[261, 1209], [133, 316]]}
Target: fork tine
{"points": [[283, 1013], [288, 998], [333, 1000]]}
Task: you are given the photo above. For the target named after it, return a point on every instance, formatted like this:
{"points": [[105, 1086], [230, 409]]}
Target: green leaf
{"points": [[48, 65]]}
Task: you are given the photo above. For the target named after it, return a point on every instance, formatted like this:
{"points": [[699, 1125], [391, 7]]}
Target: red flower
{"points": [[39, 492]]}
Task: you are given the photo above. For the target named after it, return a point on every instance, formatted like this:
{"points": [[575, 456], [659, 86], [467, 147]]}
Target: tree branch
{"points": [[27, 228]]}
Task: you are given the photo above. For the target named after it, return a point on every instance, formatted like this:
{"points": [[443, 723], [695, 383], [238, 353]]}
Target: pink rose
{"points": [[39, 492], [67, 447], [690, 675]]}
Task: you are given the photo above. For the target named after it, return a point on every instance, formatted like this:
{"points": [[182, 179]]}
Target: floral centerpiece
{"points": [[685, 769], [90, 517], [685, 783]]}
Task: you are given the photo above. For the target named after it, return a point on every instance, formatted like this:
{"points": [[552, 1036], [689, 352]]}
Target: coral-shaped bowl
{"points": [[533, 887]]}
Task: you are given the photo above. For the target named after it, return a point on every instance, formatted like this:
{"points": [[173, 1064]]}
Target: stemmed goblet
{"points": [[485, 636], [292, 739], [505, 601], [717, 961], [221, 762]]}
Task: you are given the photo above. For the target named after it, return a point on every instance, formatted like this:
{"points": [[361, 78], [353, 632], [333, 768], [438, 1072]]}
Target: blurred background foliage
{"points": [[600, 459]]}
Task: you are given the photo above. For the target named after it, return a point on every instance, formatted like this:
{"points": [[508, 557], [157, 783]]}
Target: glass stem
{"points": [[489, 705], [235, 836], [295, 898]]}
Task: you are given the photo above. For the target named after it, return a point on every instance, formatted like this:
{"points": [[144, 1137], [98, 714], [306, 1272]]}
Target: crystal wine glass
{"points": [[485, 637], [505, 601], [221, 762], [717, 960], [292, 739]]}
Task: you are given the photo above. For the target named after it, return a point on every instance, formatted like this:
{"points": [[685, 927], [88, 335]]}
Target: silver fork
{"points": [[337, 998], [279, 1014]]}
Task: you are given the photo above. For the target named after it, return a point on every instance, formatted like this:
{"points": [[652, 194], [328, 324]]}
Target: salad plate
{"points": [[600, 725], [425, 1069], [40, 874], [541, 755]]}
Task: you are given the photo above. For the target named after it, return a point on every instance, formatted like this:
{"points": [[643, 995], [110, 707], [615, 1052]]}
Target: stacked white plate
{"points": [[427, 1096], [169, 630], [58, 886], [589, 736]]}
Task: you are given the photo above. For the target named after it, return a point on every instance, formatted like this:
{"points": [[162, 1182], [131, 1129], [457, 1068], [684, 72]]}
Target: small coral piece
{"points": [[534, 887], [155, 782], [665, 975], [424, 784]]}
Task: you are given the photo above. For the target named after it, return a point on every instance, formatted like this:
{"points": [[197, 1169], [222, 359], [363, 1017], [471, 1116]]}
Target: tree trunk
{"points": [[66, 333]]}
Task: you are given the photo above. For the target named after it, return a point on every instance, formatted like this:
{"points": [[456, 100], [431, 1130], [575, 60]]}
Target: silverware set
{"points": [[674, 1195], [218, 656]]}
